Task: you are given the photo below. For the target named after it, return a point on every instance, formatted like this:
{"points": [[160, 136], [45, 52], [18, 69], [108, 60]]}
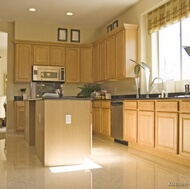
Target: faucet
{"points": [[163, 92]]}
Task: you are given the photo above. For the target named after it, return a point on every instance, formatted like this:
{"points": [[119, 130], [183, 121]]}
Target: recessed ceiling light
{"points": [[32, 9], [69, 14]]}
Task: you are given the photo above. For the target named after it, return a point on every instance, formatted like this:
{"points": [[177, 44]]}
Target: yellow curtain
{"points": [[167, 14]]}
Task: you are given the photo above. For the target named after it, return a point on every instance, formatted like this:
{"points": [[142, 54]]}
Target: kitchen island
{"points": [[62, 131]]}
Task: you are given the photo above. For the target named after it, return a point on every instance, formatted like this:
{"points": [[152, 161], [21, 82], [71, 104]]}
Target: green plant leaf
{"points": [[137, 69]]}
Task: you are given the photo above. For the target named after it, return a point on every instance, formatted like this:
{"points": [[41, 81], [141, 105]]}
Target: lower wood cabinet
{"points": [[101, 117], [130, 125], [184, 137], [167, 131], [19, 116], [146, 128]]}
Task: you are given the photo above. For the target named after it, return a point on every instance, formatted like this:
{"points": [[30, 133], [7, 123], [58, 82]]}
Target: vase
{"points": [[137, 86], [147, 78]]}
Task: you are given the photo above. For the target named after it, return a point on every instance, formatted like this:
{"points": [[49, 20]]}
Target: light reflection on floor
{"points": [[88, 164]]}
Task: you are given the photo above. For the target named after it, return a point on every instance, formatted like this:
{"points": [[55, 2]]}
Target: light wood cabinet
{"points": [[146, 123], [184, 128], [146, 128], [102, 117], [57, 56], [110, 58], [41, 55], [184, 139], [86, 65], [167, 132], [96, 63], [23, 63], [20, 116], [96, 117], [130, 126], [72, 64], [126, 49], [102, 60], [130, 121]]}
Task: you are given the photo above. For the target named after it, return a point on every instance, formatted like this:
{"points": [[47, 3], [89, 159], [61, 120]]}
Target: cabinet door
{"points": [[73, 65], [167, 131], [20, 116], [23, 63], [146, 128], [41, 55], [96, 63], [120, 54], [57, 56], [110, 56], [106, 121], [86, 65], [103, 60], [96, 124], [130, 126], [184, 139]]}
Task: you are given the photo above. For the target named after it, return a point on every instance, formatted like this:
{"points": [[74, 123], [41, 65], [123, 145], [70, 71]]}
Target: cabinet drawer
{"points": [[106, 104], [146, 105], [167, 106], [19, 103], [96, 104], [130, 104], [184, 106]]}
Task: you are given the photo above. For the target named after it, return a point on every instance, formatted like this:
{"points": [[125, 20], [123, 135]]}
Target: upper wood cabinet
{"points": [[96, 63], [57, 56], [73, 64], [86, 65], [126, 49], [23, 63], [115, 52], [103, 60], [41, 55], [110, 58]]}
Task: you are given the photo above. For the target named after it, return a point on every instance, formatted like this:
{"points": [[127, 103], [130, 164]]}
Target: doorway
{"points": [[3, 76]]}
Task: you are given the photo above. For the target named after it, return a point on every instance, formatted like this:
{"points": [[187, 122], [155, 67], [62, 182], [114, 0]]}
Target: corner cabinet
{"points": [[72, 64], [23, 63], [112, 53], [86, 65]]}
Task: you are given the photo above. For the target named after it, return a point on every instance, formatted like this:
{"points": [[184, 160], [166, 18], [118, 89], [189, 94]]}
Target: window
{"points": [[173, 63]]}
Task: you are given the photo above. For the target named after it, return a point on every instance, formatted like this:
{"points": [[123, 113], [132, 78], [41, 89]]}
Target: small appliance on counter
{"points": [[37, 89]]}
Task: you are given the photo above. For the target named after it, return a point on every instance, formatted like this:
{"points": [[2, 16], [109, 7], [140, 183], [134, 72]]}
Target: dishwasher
{"points": [[117, 120]]}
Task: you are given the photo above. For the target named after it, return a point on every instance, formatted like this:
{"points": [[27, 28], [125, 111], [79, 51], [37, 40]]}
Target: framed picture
{"points": [[109, 28], [62, 34], [115, 24], [75, 35]]}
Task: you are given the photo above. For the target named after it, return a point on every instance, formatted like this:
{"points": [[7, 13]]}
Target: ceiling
{"points": [[87, 13]]}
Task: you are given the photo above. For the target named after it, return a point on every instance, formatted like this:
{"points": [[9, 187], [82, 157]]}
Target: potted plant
{"points": [[147, 75], [87, 90]]}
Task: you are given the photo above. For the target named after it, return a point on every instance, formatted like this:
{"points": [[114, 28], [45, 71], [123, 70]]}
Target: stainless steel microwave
{"points": [[48, 73]]}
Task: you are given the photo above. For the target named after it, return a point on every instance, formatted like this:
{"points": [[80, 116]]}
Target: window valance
{"points": [[169, 13]]}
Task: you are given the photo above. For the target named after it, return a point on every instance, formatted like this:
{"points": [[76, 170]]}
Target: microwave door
{"points": [[47, 75]]}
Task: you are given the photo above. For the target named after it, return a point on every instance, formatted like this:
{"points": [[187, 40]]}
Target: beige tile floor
{"points": [[121, 168]]}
